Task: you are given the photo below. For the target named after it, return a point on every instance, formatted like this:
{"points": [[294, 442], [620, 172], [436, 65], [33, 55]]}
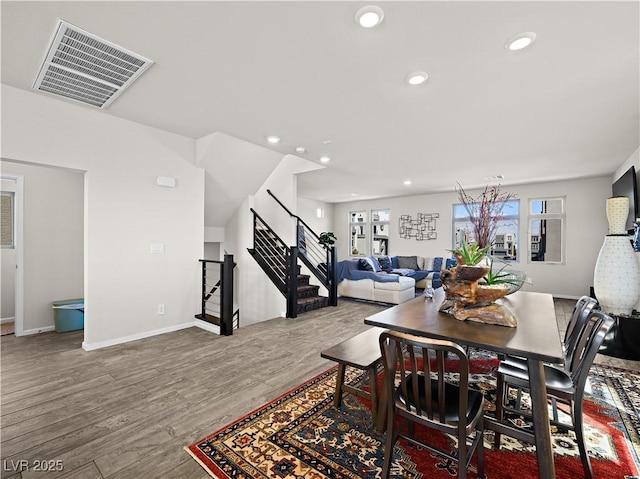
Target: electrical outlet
{"points": [[161, 309], [529, 280]]}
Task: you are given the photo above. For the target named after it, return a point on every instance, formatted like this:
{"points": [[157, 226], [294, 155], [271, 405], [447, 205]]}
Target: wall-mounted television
{"points": [[627, 185]]}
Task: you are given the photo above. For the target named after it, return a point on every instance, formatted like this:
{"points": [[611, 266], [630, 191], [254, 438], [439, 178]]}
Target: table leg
{"points": [[541, 427]]}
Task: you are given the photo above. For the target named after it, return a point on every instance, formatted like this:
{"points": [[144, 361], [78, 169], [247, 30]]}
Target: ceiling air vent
{"points": [[86, 68]]}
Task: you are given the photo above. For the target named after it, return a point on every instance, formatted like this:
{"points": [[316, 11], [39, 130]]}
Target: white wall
{"points": [[52, 240], [633, 160], [586, 225], [125, 212], [8, 267], [212, 251], [307, 211]]}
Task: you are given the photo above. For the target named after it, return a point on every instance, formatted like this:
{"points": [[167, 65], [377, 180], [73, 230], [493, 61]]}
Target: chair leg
{"points": [[578, 425], [391, 437], [462, 455], [480, 449], [500, 392]]}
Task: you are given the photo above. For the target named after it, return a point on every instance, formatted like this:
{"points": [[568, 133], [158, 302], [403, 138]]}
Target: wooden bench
{"points": [[360, 352]]}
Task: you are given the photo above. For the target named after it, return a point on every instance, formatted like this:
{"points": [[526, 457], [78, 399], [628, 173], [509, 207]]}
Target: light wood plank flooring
{"points": [[128, 411]]}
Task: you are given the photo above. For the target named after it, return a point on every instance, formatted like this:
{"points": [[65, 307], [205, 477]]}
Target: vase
{"points": [[616, 278]]}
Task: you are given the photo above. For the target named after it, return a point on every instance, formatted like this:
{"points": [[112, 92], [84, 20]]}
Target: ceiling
{"points": [[566, 107]]}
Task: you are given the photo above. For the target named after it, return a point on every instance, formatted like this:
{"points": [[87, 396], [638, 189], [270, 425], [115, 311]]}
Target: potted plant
{"points": [[469, 257], [469, 254], [327, 238], [512, 279]]}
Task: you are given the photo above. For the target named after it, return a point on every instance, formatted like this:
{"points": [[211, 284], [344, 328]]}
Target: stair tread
{"points": [[312, 299], [308, 286]]}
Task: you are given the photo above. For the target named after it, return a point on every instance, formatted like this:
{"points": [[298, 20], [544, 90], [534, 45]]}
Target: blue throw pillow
{"points": [[385, 264], [374, 264], [364, 265]]}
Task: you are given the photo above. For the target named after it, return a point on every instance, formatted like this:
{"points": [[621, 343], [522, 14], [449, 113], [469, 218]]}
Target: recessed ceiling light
{"points": [[520, 41], [369, 16], [407, 182], [417, 78], [301, 149], [273, 139], [325, 159]]}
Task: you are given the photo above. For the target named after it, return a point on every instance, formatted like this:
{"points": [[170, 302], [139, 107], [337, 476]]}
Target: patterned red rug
{"points": [[301, 435]]}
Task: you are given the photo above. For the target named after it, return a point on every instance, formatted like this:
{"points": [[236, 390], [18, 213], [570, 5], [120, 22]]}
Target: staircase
{"points": [[281, 264], [308, 294]]}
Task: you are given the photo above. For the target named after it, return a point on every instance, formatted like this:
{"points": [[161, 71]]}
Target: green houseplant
{"points": [[469, 254], [327, 238], [513, 279]]}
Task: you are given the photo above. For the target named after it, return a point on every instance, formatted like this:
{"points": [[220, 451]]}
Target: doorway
{"points": [[12, 253]]}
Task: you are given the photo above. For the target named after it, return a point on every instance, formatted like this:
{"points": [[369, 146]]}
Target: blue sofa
{"points": [[427, 272], [424, 271]]}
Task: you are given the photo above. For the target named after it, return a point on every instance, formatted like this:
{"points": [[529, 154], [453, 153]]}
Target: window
{"points": [[505, 240], [546, 230], [380, 232], [358, 228], [7, 216]]}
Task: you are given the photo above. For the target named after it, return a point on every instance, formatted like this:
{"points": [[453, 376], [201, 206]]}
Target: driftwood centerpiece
{"points": [[465, 298]]}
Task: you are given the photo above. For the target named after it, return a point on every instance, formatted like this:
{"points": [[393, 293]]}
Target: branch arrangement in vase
{"points": [[485, 212]]}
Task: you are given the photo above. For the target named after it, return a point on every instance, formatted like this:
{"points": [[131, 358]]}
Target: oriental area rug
{"points": [[301, 435]]}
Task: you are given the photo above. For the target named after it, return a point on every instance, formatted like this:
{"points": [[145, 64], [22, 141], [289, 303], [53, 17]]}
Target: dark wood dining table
{"points": [[535, 338]]}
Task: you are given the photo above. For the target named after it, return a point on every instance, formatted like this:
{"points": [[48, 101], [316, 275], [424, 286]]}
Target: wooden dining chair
{"points": [[563, 385], [418, 394]]}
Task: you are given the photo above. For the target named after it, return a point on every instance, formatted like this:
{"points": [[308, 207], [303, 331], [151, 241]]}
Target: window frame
{"points": [[562, 216], [364, 228], [12, 218], [506, 220], [379, 224]]}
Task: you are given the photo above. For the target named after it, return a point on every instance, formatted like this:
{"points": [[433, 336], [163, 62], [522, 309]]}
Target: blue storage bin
{"points": [[68, 315]]}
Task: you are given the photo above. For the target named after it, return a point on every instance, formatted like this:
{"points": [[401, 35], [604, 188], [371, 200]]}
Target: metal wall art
{"points": [[422, 228]]}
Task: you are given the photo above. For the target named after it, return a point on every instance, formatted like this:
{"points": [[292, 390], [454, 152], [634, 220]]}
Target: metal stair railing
{"points": [[218, 293], [319, 258], [277, 260]]}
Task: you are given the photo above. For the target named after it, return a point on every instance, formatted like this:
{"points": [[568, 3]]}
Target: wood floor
{"points": [[127, 411]]}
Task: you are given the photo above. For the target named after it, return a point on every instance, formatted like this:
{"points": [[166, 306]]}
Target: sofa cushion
{"points": [[408, 262], [385, 264], [402, 284]]}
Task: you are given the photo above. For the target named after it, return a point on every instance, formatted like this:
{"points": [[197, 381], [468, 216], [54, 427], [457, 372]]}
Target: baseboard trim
{"points": [[134, 337], [7, 320], [212, 328], [44, 329]]}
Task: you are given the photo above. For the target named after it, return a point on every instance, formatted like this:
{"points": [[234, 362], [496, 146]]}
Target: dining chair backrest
{"points": [[588, 344], [419, 366], [575, 326]]}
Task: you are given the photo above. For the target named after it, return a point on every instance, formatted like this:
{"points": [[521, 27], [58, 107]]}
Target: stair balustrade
{"points": [[217, 295], [320, 259]]}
